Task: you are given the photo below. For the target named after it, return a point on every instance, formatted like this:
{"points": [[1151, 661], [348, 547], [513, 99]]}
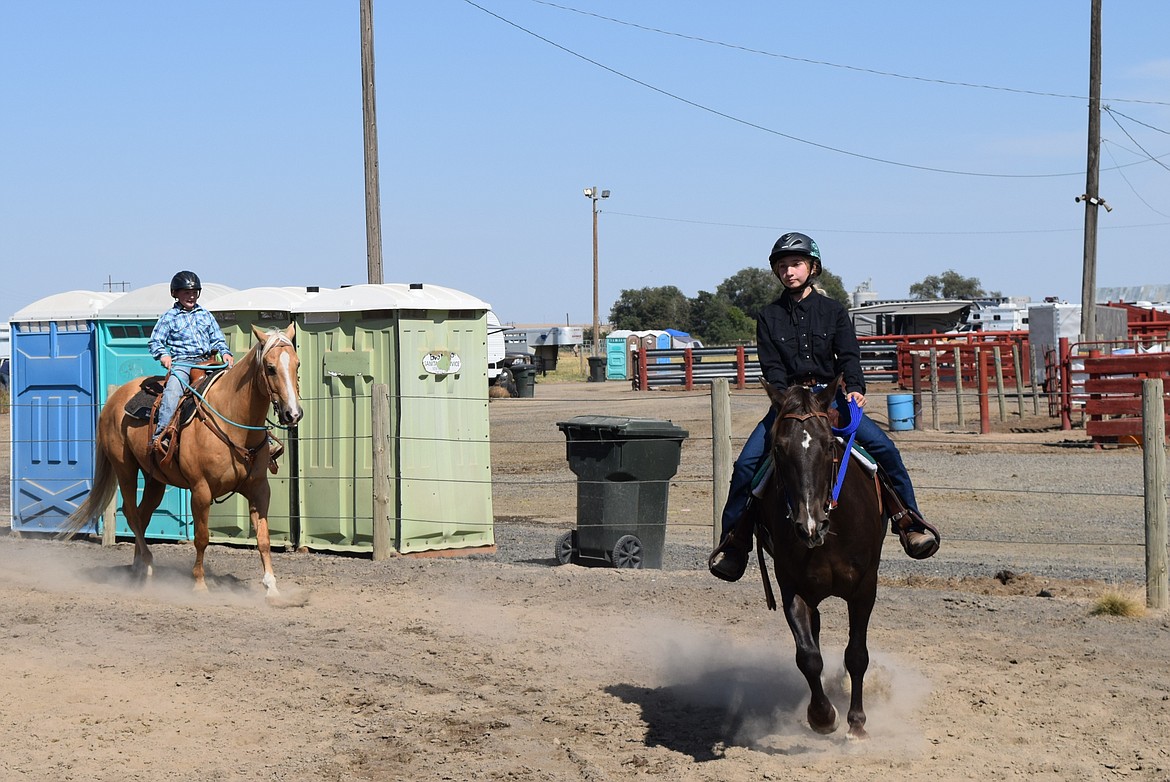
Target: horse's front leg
{"points": [[857, 661], [200, 507], [138, 517], [258, 509], [804, 621]]}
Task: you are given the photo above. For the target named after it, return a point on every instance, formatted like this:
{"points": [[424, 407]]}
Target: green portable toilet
{"points": [[123, 348], [237, 312], [428, 344]]}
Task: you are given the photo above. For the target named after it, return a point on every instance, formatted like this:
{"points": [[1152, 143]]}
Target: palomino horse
{"points": [[226, 450], [823, 544]]}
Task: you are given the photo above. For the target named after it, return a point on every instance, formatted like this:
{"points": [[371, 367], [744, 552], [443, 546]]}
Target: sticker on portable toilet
{"points": [[442, 362]]}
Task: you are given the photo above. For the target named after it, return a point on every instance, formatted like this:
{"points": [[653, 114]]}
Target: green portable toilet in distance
{"points": [[237, 312], [123, 339], [428, 344]]}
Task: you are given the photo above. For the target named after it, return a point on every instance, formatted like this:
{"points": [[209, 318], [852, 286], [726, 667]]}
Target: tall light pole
{"points": [[592, 193]]}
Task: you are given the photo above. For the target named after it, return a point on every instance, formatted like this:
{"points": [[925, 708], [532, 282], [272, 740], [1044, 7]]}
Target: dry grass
{"points": [[1124, 604]]}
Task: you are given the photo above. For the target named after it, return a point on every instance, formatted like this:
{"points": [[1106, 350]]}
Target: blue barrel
{"points": [[901, 411]]}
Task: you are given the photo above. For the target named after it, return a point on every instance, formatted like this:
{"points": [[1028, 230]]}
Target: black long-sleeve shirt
{"points": [[809, 338]]}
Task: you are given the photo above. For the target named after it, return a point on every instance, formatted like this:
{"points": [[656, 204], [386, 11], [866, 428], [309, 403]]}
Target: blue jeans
{"points": [[179, 378], [869, 436]]}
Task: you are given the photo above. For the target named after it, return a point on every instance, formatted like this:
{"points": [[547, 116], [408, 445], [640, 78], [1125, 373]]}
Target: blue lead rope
{"points": [[850, 429]]}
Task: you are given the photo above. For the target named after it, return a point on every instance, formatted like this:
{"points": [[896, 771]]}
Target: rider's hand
{"points": [[229, 360], [165, 360], [857, 397]]}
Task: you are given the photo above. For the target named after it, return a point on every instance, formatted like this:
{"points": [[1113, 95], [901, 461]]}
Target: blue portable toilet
{"points": [[617, 354], [53, 407], [123, 353], [237, 312], [663, 343]]}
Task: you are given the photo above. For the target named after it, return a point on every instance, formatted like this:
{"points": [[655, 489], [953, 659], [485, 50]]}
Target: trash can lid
{"points": [[598, 425]]}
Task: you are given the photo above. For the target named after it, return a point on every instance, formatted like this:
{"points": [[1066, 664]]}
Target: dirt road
{"points": [[509, 667]]}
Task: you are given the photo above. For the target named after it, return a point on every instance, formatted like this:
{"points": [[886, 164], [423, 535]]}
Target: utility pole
{"points": [[592, 193], [370, 137], [1092, 176]]}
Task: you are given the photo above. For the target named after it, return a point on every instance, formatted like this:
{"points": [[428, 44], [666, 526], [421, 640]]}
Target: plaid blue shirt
{"points": [[186, 335]]}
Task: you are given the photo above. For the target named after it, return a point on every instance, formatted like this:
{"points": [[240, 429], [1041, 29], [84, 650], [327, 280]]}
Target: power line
{"points": [[878, 233], [756, 126], [825, 63]]}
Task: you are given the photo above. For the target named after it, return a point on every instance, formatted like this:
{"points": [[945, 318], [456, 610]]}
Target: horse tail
{"points": [[105, 483]]}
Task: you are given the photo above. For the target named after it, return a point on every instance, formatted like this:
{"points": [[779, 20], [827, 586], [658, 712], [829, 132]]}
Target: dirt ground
{"points": [[497, 667]]}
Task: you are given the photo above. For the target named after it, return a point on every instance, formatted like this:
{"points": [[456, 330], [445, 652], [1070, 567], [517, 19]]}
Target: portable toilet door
{"points": [[344, 339], [617, 355], [53, 408], [123, 339], [665, 342], [237, 312], [417, 340], [445, 476]]}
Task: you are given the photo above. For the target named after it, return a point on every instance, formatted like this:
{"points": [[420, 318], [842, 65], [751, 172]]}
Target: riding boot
{"points": [[919, 539], [730, 558]]}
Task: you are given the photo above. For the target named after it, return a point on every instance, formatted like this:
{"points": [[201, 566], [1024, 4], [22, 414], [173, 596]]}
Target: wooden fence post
{"points": [[380, 431], [1154, 467], [959, 386], [984, 402], [934, 388], [110, 514], [721, 459], [999, 383], [1019, 378]]}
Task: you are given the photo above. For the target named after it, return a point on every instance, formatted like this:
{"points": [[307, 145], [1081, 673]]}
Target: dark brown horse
{"points": [[822, 546], [225, 450]]}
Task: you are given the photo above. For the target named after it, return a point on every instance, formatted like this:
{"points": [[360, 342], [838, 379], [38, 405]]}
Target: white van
{"points": [[495, 348]]}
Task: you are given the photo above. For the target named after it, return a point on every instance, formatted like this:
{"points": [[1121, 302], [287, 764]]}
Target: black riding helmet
{"points": [[798, 244], [186, 281]]}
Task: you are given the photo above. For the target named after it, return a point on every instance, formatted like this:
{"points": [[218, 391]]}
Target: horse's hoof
{"points": [[857, 733], [824, 727], [200, 587]]}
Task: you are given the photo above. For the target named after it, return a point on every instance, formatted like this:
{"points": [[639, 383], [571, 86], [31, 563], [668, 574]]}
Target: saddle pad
{"points": [[140, 404]]}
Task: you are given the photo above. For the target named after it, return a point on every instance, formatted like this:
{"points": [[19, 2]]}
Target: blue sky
{"points": [[140, 138]]}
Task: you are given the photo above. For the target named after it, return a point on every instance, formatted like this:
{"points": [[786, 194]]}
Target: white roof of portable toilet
{"points": [[153, 300], [71, 305], [392, 296], [619, 334], [262, 298]]}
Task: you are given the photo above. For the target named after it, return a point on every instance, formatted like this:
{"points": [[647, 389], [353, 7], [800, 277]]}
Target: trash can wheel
{"points": [[627, 552], [566, 547]]}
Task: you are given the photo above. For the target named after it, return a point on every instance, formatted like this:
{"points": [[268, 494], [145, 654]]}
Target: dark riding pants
{"points": [[869, 436]]}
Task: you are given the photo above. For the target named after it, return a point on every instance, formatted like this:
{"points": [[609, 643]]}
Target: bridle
{"points": [[275, 339], [840, 457]]}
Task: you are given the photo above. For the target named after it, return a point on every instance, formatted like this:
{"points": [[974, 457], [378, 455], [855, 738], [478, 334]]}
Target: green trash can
{"points": [[597, 369], [623, 468], [525, 377]]}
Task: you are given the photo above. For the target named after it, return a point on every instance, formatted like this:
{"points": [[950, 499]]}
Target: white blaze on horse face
{"points": [[807, 441], [288, 378]]}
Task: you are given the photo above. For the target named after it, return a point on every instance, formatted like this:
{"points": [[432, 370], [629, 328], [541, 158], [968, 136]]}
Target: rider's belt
{"points": [[807, 380]]}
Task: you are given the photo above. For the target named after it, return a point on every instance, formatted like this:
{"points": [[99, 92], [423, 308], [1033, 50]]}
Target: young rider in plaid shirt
{"points": [[185, 334]]}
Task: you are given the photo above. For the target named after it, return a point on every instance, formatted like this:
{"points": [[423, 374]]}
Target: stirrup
{"points": [[919, 539], [729, 560]]}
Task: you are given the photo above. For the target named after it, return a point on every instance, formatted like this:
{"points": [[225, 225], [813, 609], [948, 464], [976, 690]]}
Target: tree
{"points": [[750, 290], [716, 321], [833, 287], [948, 285], [651, 308]]}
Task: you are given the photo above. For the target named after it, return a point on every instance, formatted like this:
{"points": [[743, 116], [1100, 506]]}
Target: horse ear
{"points": [[826, 394], [261, 336], [773, 394], [291, 331]]}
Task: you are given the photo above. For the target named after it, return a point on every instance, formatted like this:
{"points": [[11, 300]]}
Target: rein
{"points": [[850, 430]]}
